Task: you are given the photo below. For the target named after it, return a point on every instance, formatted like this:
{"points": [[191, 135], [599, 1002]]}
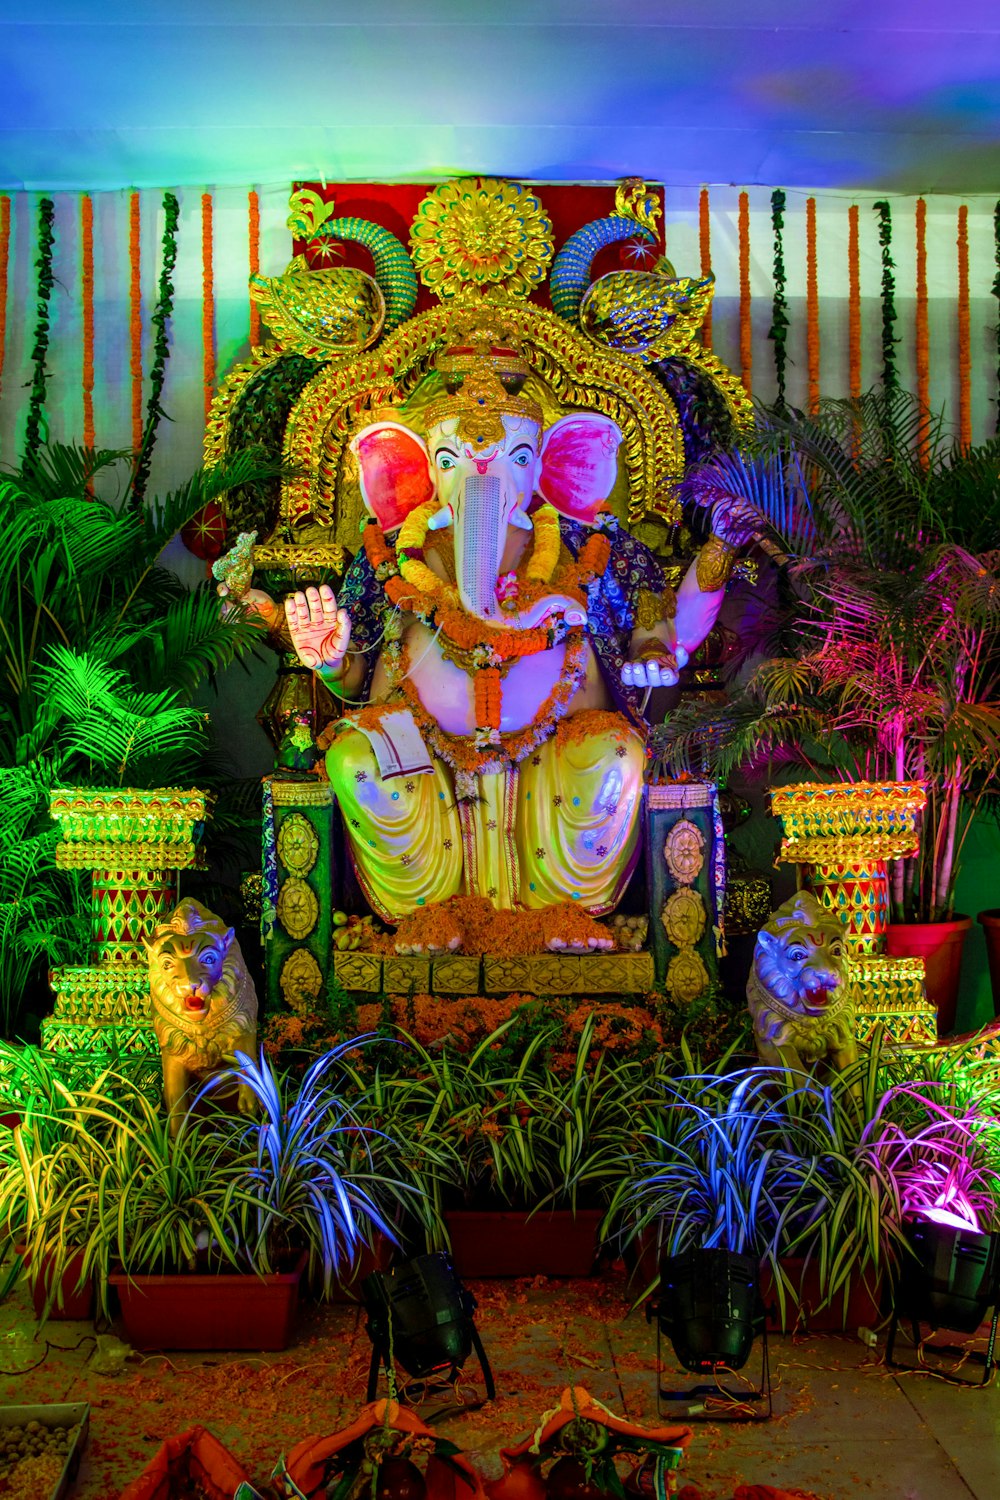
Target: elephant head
{"points": [[488, 464]]}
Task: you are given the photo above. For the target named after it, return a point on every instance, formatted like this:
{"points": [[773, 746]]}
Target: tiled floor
{"points": [[844, 1426]]}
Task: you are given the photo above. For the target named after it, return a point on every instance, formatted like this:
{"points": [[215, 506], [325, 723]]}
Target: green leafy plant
{"points": [[886, 531]]}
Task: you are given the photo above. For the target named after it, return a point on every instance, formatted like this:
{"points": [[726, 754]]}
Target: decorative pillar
{"points": [[297, 901], [686, 878], [134, 843], [842, 836]]}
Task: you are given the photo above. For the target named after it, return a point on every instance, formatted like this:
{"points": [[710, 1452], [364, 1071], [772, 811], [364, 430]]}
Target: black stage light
{"points": [[710, 1309], [421, 1315], [951, 1281]]}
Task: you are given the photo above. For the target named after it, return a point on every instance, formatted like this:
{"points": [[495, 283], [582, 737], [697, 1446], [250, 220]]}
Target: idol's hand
{"points": [[654, 666], [736, 522], [320, 632], [253, 601]]}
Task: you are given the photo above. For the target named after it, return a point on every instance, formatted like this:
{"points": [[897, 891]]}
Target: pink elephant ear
{"points": [[579, 464], [395, 474]]}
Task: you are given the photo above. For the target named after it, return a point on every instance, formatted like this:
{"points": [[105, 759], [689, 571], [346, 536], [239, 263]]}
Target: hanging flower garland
{"points": [[705, 249], [253, 236], [812, 308], [890, 379], [853, 304], [778, 331], [207, 304], [36, 401], [964, 355], [746, 339], [161, 347], [920, 332], [87, 280], [4, 257], [135, 318], [996, 293]]}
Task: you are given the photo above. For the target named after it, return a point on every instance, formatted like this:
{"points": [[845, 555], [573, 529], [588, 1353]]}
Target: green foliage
{"points": [[101, 650], [886, 531]]}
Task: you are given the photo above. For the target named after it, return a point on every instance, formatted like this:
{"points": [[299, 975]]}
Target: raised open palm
{"points": [[319, 630]]}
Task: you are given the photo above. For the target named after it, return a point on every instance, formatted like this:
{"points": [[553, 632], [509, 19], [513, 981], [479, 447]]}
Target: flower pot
{"points": [[991, 931], [802, 1304], [369, 1258], [69, 1301], [952, 1278], [506, 1242], [209, 1312], [940, 945]]}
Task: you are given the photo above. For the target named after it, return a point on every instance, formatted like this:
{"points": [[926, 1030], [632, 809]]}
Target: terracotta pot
{"points": [[209, 1312], [504, 1242], [940, 945], [72, 1304], [991, 931]]}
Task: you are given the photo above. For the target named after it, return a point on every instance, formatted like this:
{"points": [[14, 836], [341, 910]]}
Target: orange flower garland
{"points": [[812, 307], [964, 359], [923, 360], [853, 305], [135, 318], [746, 331], [207, 303], [4, 255], [253, 234], [87, 278], [705, 248]]}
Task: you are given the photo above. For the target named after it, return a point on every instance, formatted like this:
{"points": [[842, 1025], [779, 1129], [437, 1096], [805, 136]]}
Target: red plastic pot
{"points": [[70, 1304], [991, 931], [802, 1307], [209, 1312], [504, 1242], [940, 945]]}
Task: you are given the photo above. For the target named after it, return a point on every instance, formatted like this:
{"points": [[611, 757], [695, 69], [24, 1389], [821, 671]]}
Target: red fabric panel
{"points": [[196, 1452]]}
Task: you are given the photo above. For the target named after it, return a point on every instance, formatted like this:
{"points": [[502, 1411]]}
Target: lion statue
{"points": [[800, 996], [203, 1001]]}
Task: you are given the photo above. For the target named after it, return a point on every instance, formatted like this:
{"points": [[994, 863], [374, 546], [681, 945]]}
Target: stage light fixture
{"points": [[421, 1316]]}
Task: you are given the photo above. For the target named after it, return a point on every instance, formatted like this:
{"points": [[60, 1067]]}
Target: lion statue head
{"points": [[799, 991], [200, 990]]}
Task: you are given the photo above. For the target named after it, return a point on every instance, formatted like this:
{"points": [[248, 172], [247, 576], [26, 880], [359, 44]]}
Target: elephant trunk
{"points": [[480, 533]]}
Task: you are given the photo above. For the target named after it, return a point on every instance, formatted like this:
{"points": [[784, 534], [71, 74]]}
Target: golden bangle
{"points": [[654, 651], [714, 565]]}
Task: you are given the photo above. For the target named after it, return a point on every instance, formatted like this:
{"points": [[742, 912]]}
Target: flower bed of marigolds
{"points": [[385, 1131]]}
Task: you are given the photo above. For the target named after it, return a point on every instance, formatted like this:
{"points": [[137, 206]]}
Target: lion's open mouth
{"points": [[194, 1002], [817, 999]]}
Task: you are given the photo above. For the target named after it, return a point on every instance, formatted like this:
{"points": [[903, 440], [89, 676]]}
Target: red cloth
{"points": [[197, 1453], [306, 1463], [579, 1403]]}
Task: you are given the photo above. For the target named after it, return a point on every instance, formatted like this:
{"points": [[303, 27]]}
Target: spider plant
{"points": [[884, 665]]}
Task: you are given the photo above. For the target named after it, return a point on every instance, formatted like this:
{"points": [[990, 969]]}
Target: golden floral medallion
{"points": [[298, 844], [481, 235], [684, 917], [301, 980], [684, 851], [298, 908]]}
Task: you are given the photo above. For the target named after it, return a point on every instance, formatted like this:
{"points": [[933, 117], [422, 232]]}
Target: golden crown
{"points": [[482, 371]]}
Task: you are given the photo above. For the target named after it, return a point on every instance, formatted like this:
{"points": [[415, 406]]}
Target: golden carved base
{"points": [[891, 995], [532, 974]]}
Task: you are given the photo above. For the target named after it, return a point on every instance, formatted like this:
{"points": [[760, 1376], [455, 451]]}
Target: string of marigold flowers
{"points": [[778, 331], [812, 309], [746, 337], [161, 347], [43, 264], [207, 304], [4, 260], [890, 379], [705, 249], [253, 236], [135, 316], [921, 338], [87, 280], [853, 305], [964, 357], [996, 293]]}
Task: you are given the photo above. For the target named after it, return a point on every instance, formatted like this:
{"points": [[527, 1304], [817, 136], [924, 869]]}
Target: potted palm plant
{"points": [[881, 664]]}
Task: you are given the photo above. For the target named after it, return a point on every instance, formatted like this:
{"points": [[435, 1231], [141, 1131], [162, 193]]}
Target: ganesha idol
{"points": [[500, 630]]}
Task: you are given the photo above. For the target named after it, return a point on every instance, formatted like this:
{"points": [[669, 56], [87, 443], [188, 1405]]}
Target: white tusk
{"points": [[520, 519], [440, 519]]}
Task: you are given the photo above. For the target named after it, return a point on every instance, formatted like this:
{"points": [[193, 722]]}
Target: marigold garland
{"points": [[253, 236], [778, 331], [812, 308], [87, 279], [161, 347], [135, 317], [4, 258], [964, 356], [890, 379], [996, 293], [746, 331], [920, 333], [853, 305], [43, 264], [207, 304], [705, 249]]}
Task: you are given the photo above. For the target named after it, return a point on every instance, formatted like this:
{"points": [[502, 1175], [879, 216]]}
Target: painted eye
{"points": [[796, 954], [445, 461], [522, 460]]}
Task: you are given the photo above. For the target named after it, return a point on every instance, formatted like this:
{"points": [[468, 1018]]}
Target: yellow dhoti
{"points": [[563, 825]]}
